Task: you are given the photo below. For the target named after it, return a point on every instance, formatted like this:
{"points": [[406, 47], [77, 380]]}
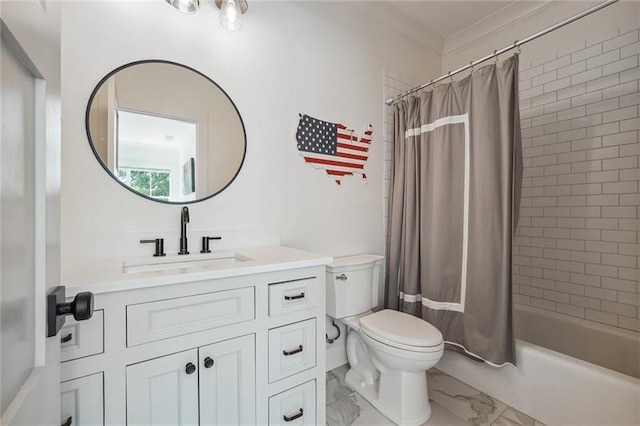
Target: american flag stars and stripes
{"points": [[333, 147]]}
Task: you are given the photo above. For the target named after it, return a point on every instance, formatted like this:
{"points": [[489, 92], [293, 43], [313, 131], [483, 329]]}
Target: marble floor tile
{"points": [[453, 403], [511, 417], [441, 417], [462, 400], [344, 411], [336, 386], [369, 416]]}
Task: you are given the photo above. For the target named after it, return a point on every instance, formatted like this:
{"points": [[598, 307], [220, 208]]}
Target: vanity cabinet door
{"points": [[164, 390], [228, 382], [82, 401]]}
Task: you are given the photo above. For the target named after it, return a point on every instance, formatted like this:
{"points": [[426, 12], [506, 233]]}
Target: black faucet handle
{"points": [[205, 243], [159, 246]]}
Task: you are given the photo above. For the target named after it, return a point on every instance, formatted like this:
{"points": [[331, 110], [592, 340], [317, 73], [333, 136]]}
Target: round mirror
{"points": [[165, 131]]}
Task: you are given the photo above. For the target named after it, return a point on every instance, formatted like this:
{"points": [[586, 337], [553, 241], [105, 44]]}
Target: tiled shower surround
{"points": [[576, 247]]}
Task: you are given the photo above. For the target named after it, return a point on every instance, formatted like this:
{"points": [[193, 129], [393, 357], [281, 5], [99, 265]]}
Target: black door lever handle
{"points": [[57, 308]]}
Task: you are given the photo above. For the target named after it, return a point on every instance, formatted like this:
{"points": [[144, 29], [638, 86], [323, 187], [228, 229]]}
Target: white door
{"points": [[30, 121], [228, 382], [164, 391]]}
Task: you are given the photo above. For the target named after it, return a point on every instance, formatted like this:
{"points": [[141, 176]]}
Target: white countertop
{"points": [[107, 274]]}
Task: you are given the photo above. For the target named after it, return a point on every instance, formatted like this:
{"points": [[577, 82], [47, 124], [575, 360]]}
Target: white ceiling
{"points": [[446, 18], [444, 25]]}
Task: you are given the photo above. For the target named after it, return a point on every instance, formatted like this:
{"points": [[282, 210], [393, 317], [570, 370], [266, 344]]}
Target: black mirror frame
{"points": [[110, 173]]}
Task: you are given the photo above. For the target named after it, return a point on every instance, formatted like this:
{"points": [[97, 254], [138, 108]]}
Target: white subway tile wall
{"points": [[577, 246]]}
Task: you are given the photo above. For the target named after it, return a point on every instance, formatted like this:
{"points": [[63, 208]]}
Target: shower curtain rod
{"points": [[514, 45]]}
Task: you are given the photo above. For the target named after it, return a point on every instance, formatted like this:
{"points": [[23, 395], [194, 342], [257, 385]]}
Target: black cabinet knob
{"points": [[190, 368], [208, 362]]}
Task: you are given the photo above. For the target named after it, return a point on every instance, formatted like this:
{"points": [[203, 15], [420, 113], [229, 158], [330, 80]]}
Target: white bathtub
{"points": [[555, 388], [600, 344]]}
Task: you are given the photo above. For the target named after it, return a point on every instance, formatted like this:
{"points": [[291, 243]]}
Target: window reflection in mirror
{"points": [[166, 131], [151, 153]]}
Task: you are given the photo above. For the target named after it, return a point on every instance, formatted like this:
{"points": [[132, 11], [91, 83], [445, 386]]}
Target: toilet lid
{"points": [[398, 327]]}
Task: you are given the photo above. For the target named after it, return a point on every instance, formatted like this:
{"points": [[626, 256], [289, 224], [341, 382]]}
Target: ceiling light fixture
{"points": [[185, 6], [231, 11]]}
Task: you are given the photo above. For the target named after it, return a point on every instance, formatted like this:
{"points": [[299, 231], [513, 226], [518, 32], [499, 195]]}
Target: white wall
{"points": [[322, 59]]}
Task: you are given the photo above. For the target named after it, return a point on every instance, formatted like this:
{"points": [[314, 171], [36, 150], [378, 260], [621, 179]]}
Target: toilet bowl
{"points": [[389, 352]]}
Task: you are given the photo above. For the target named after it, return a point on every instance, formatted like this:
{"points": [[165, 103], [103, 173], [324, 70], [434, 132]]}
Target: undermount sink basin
{"points": [[187, 262]]}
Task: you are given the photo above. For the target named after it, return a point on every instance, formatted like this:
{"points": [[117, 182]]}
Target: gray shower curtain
{"points": [[454, 200]]}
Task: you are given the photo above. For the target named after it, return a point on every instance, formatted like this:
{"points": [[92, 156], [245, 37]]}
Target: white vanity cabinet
{"points": [[214, 385], [244, 347]]}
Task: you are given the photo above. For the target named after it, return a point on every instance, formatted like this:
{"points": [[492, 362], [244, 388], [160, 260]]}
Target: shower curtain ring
{"points": [[495, 55], [450, 77], [471, 64], [515, 46]]}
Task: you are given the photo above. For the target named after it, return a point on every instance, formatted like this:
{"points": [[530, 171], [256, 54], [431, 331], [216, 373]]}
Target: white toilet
{"points": [[389, 352]]}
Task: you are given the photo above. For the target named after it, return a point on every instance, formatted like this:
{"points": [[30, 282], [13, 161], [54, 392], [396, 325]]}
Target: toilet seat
{"points": [[402, 331]]}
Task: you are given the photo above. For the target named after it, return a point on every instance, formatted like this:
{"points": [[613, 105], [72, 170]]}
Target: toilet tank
{"points": [[352, 284]]}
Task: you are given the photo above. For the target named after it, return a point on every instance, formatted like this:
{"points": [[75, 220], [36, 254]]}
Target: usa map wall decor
{"points": [[333, 147]]}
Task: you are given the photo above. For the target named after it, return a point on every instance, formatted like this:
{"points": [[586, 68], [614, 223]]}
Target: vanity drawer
{"points": [[296, 406], [292, 349], [82, 338], [294, 295], [163, 319]]}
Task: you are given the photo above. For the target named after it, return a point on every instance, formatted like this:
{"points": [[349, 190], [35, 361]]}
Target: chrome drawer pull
{"points": [[293, 352], [66, 338], [299, 296], [295, 416], [341, 277]]}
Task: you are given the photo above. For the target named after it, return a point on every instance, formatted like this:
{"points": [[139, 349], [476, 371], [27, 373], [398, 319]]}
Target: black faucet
{"points": [[184, 219]]}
